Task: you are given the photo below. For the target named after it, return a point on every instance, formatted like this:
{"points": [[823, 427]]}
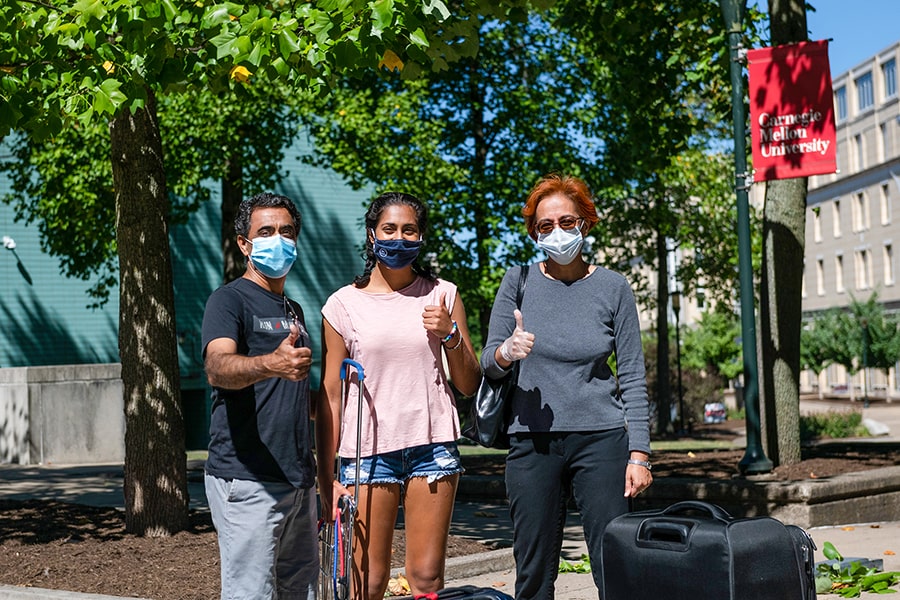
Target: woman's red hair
{"points": [[572, 188]]}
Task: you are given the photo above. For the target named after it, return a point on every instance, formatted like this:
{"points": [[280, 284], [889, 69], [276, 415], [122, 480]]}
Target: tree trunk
{"points": [[232, 194], [780, 317], [663, 386], [784, 229], [156, 496]]}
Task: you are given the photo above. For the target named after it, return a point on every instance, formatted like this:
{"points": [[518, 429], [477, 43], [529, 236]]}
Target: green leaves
{"points": [[108, 97], [712, 345], [90, 9], [48, 54], [863, 336], [436, 8], [382, 16], [470, 140], [850, 580], [583, 566]]}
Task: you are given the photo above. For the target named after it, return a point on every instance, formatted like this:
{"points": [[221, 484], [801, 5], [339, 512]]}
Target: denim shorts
{"points": [[432, 461]]}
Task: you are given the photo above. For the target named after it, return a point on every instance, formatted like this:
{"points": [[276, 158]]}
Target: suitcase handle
{"points": [[695, 505], [666, 532]]}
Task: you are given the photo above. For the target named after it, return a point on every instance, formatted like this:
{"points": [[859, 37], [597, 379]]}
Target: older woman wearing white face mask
{"points": [[577, 426]]}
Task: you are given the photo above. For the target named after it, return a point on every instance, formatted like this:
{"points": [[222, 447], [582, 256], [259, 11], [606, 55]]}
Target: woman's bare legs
{"points": [[374, 534], [427, 512]]}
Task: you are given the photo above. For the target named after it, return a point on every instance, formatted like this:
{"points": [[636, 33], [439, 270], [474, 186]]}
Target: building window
{"points": [[817, 225], [840, 100], [885, 205], [860, 207], [882, 142], [863, 270], [864, 94], [888, 264], [889, 72], [886, 146], [859, 146], [803, 281], [839, 273], [836, 214], [820, 277]]}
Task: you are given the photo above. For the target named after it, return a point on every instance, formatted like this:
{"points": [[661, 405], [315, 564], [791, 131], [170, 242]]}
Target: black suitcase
{"points": [[466, 592], [694, 550]]}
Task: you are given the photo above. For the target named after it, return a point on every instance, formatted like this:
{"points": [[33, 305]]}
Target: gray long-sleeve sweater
{"points": [[565, 383]]}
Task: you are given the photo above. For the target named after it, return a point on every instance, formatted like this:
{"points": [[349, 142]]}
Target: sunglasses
{"points": [[566, 223]]}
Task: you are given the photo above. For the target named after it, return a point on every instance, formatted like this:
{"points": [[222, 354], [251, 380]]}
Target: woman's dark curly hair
{"points": [[373, 214]]}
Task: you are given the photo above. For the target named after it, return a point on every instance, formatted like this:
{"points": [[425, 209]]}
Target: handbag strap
{"points": [[520, 291]]}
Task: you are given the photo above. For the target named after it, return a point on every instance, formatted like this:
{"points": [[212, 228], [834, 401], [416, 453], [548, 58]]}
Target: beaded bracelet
{"points": [[449, 336]]}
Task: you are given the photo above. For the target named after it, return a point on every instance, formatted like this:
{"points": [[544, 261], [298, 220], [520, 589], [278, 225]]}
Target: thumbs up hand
{"points": [[436, 318], [289, 362], [519, 344]]}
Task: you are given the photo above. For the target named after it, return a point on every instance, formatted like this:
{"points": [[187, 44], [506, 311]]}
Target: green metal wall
{"points": [[44, 319]]}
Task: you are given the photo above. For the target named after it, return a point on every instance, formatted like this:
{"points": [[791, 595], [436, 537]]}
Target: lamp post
{"points": [[10, 244], [676, 308], [754, 460], [865, 361]]}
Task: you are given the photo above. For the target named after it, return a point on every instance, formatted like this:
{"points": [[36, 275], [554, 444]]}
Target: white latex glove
{"points": [[518, 345]]}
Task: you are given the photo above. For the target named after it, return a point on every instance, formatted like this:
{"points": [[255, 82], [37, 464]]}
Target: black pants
{"points": [[541, 471]]}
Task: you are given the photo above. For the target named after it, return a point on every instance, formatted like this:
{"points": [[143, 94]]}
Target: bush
{"points": [[831, 424]]}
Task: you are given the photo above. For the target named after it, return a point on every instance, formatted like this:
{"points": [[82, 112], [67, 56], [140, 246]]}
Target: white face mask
{"points": [[560, 245]]}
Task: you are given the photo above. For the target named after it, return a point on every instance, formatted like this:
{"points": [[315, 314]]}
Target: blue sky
{"points": [[857, 29]]}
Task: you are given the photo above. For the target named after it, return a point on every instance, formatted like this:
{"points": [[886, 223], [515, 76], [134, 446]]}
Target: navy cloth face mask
{"points": [[396, 254]]}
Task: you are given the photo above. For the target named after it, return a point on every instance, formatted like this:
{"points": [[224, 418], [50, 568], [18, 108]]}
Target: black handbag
{"points": [[488, 414]]}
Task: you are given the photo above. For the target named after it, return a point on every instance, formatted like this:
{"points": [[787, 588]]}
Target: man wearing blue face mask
{"points": [[260, 473]]}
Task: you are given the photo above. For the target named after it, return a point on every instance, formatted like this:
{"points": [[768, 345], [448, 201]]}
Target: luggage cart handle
{"points": [[360, 373]]}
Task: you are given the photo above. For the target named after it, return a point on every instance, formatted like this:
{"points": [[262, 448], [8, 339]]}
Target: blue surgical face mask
{"points": [[273, 255], [560, 245], [396, 254]]}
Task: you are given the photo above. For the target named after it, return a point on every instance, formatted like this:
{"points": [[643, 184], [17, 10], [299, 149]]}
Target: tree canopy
{"points": [[99, 61], [64, 184], [864, 335], [470, 141]]}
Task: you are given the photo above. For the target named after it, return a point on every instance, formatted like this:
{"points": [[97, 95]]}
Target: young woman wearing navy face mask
{"points": [[400, 322]]}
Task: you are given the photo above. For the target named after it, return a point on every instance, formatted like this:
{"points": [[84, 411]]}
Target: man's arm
{"points": [[227, 369]]}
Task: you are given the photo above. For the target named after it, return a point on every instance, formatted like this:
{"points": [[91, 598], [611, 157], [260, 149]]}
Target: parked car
{"points": [[714, 412]]}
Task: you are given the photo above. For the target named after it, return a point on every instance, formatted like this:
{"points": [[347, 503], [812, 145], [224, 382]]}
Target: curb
{"points": [[492, 561], [859, 497], [461, 567], [11, 592]]}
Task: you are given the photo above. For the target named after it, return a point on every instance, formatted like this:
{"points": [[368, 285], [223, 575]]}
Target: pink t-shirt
{"points": [[407, 400]]}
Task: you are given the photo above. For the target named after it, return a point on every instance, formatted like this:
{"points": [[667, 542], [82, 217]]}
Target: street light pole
{"points": [[865, 361], [754, 460], [676, 308]]}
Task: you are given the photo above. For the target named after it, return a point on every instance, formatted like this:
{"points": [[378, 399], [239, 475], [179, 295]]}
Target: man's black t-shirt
{"points": [[260, 432]]}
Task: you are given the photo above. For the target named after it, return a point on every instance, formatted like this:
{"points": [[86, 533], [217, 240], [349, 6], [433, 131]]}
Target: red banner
{"points": [[791, 111]]}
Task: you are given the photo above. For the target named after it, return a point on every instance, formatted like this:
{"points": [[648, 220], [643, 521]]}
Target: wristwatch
{"points": [[641, 463]]}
